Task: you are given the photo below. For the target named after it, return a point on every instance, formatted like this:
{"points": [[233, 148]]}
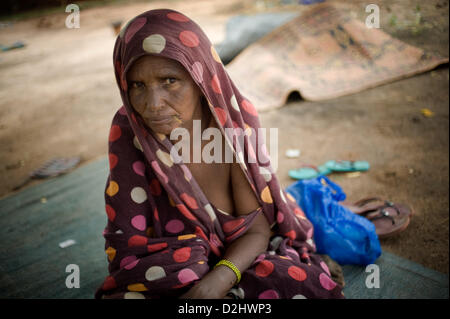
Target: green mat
{"points": [[71, 207]]}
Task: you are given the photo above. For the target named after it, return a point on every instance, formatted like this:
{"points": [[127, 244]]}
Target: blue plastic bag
{"points": [[338, 232]]}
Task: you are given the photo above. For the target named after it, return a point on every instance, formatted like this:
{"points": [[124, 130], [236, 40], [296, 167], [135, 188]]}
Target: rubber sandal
{"points": [[347, 166], [308, 172], [372, 204], [52, 168], [387, 225]]}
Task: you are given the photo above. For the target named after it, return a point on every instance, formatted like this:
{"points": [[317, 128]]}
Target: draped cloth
{"points": [[162, 234]]}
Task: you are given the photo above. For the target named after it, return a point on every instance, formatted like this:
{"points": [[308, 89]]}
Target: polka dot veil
{"points": [[162, 232]]}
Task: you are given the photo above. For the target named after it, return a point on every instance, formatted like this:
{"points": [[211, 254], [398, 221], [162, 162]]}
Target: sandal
{"points": [[372, 204], [389, 218], [347, 166], [308, 172]]}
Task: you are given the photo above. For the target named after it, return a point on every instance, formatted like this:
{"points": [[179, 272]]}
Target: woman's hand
{"points": [[214, 285]]}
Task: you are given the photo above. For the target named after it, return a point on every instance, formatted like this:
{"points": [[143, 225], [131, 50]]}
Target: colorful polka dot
{"points": [[156, 247], [264, 268], [110, 212], [249, 107], [234, 103], [187, 275], [187, 172], [137, 144], [280, 217], [230, 226], [186, 213], [266, 174], [291, 198], [189, 200], [189, 39], [111, 252], [138, 195], [137, 287], [215, 84], [297, 273], [326, 282], [158, 170], [291, 234], [266, 196], [155, 273], [175, 16], [112, 189], [269, 294], [129, 262], [185, 237], [182, 255], [133, 295], [221, 115], [299, 213], [197, 72], [210, 212], [299, 297], [214, 54], [154, 43], [109, 283], [137, 240], [122, 110], [115, 133], [164, 157], [113, 160], [139, 168], [135, 26], [325, 267], [174, 226], [139, 222]]}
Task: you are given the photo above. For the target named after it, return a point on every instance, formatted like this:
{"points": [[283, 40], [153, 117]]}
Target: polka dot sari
{"points": [[162, 234]]}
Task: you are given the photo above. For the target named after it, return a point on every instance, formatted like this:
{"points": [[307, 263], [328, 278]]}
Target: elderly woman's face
{"points": [[163, 93]]}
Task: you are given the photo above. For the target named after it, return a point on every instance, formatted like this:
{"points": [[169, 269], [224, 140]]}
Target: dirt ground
{"points": [[58, 96]]}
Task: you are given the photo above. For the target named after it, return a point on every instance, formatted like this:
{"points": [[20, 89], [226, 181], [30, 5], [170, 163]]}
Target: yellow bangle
{"points": [[230, 265]]}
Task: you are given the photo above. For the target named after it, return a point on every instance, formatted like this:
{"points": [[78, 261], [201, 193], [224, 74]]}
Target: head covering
{"points": [[161, 227]]}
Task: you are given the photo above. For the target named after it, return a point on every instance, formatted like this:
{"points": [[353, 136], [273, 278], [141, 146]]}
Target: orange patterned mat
{"points": [[323, 54]]}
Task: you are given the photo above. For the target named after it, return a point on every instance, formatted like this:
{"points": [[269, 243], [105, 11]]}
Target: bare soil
{"points": [[58, 96]]}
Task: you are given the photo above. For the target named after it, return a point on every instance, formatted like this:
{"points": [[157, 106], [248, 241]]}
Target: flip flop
{"points": [[309, 172], [387, 225], [52, 168], [372, 204], [389, 218], [347, 166]]}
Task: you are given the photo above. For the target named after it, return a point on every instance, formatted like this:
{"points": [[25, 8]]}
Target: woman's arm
{"points": [[241, 252]]}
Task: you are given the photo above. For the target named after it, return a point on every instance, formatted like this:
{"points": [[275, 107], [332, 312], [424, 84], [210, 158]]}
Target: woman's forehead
{"points": [[155, 63]]}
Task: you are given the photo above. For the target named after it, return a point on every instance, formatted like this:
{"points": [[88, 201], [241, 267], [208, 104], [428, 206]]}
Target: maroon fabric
{"points": [[163, 235]]}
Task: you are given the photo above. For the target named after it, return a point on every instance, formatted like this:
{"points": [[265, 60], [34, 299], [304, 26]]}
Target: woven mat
{"points": [[323, 53]]}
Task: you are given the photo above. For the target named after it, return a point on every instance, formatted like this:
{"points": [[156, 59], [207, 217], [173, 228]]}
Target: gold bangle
{"points": [[230, 265]]}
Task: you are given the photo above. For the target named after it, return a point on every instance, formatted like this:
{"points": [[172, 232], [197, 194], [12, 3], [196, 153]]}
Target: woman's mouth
{"points": [[161, 120]]}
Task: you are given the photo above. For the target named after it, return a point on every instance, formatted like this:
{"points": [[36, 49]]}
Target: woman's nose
{"points": [[154, 101]]}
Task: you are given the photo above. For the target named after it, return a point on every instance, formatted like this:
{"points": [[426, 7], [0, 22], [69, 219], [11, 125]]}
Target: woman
{"points": [[188, 228]]}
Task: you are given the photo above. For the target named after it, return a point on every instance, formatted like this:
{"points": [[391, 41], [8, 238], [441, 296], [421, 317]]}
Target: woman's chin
{"points": [[165, 129]]}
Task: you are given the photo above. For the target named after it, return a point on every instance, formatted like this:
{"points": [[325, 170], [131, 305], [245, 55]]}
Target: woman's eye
{"points": [[137, 85], [170, 80]]}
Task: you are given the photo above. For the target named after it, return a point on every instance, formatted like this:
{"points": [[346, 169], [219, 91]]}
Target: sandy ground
{"points": [[58, 96]]}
